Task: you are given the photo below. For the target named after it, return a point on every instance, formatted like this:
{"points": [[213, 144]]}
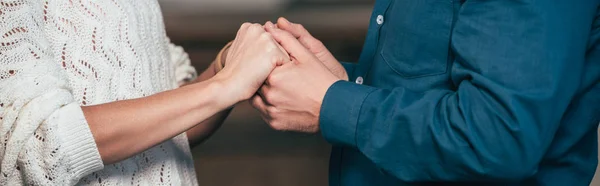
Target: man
{"points": [[482, 92]]}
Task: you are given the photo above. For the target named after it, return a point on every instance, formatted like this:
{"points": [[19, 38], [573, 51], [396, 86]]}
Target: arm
{"points": [[124, 128], [517, 67], [50, 140], [186, 75], [206, 128]]}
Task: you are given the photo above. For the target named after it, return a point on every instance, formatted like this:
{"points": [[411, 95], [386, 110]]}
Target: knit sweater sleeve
{"points": [[184, 71], [45, 139]]}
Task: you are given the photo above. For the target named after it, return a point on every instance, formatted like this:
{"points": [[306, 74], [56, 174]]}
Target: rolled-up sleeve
{"points": [[46, 139]]}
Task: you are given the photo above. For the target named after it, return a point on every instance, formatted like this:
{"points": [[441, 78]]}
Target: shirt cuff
{"points": [[340, 110]]}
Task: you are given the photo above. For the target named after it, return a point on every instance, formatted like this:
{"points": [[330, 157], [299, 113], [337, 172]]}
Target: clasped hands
{"points": [[283, 71]]}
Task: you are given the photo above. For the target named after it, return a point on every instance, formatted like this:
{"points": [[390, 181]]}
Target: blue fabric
{"points": [[471, 92]]}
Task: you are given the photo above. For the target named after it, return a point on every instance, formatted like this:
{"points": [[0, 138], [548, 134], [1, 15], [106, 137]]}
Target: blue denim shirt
{"points": [[480, 92]]}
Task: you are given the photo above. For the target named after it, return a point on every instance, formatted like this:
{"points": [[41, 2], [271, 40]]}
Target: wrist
{"points": [[341, 71], [215, 88], [324, 85], [344, 75], [224, 55], [227, 93], [219, 62]]}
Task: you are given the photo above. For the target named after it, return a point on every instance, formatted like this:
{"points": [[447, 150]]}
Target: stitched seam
{"points": [[358, 117]]}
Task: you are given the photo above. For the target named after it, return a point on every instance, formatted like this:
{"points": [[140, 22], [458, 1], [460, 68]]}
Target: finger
{"points": [[258, 103], [278, 76], [296, 30], [285, 55], [282, 58], [261, 107], [263, 93], [280, 55], [291, 45], [269, 26]]}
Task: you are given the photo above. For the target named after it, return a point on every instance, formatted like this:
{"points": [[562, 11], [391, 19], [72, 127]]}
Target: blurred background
{"points": [[245, 151]]}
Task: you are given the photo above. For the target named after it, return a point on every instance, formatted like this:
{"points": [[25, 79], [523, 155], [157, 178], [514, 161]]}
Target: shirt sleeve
{"points": [[518, 65], [180, 60], [45, 137]]}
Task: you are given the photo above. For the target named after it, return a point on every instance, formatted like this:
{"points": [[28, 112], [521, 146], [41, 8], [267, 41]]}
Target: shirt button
{"points": [[379, 19], [359, 80]]}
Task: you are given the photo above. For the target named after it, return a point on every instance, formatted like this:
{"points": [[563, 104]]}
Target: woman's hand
{"points": [[250, 59]]}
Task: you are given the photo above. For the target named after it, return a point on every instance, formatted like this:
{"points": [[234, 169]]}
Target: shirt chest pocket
{"points": [[416, 37]]}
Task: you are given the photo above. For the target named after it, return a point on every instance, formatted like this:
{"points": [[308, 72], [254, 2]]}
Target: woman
{"points": [[89, 93]]}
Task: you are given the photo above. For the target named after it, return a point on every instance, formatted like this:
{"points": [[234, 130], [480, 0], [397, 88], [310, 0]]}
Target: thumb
{"points": [[296, 30]]}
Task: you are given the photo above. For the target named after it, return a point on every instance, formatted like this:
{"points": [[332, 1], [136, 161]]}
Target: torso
{"points": [[115, 50]]}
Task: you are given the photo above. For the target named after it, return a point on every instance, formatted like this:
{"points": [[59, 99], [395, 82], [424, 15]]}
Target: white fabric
{"points": [[57, 55]]}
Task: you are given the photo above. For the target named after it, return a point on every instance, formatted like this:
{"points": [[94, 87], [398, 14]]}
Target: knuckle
{"points": [[255, 102], [271, 111], [245, 25], [276, 124], [273, 79], [318, 42], [256, 27], [264, 91], [249, 26], [278, 57], [272, 99]]}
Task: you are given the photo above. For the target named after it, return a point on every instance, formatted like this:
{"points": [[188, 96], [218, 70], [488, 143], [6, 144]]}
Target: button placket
{"points": [[369, 49]]}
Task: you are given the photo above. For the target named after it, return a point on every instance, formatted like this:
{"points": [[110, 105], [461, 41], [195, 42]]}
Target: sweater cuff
{"points": [[78, 144], [340, 111]]}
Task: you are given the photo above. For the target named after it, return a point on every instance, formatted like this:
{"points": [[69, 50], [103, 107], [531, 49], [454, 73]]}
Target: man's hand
{"points": [[312, 44], [291, 98]]}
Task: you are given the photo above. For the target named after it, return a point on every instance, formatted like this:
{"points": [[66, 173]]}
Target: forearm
{"points": [[206, 128], [441, 135], [124, 128]]}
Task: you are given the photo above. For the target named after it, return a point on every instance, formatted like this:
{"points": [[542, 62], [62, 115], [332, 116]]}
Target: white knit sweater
{"points": [[57, 55]]}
